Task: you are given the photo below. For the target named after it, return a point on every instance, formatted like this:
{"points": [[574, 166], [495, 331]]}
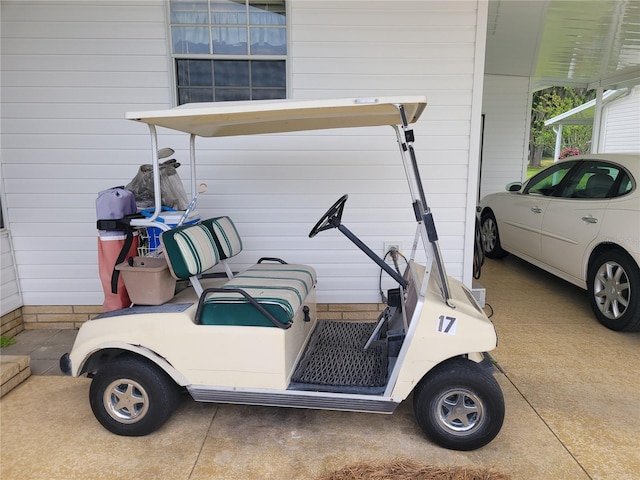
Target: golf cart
{"points": [[253, 337]]}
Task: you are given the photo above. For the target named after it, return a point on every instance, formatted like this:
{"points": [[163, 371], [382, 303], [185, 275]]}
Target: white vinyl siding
{"points": [[10, 297], [621, 124], [72, 69], [506, 107]]}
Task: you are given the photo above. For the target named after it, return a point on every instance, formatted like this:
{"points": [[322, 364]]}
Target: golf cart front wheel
{"points": [[132, 397], [459, 405]]}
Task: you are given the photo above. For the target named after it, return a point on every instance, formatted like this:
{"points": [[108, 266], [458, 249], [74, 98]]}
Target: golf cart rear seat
{"points": [[266, 294]]}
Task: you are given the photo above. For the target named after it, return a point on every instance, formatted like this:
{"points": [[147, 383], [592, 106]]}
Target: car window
{"points": [[626, 185], [593, 180], [546, 182]]}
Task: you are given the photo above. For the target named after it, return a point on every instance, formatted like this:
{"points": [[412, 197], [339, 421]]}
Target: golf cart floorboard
{"points": [[335, 360]]}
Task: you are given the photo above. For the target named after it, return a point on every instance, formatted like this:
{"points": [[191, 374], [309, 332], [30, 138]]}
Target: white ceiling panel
{"points": [[583, 43]]}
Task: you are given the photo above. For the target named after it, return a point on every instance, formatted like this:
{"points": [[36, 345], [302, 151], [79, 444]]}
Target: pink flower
{"points": [[569, 152]]}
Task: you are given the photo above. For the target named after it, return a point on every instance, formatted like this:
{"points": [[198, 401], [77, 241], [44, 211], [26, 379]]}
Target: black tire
{"points": [[491, 236], [459, 405], [614, 290], [131, 396]]}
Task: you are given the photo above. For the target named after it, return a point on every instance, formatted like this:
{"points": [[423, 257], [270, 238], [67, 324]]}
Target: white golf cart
{"points": [[252, 337]]}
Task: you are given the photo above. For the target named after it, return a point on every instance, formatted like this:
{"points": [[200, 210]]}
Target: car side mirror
{"points": [[514, 187]]}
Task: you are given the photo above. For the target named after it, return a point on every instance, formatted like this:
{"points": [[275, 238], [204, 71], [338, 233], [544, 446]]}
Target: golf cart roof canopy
{"points": [[224, 119]]}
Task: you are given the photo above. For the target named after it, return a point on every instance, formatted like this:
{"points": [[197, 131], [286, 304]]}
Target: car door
{"points": [[520, 220], [572, 220]]}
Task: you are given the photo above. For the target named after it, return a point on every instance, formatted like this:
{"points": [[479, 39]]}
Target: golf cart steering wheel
{"points": [[331, 219]]}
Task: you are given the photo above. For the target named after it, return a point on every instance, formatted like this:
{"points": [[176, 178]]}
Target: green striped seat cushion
{"points": [[190, 250], [225, 235], [279, 288]]}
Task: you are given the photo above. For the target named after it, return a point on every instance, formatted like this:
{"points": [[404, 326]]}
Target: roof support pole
{"points": [[192, 164], [597, 122], [155, 162], [558, 132]]}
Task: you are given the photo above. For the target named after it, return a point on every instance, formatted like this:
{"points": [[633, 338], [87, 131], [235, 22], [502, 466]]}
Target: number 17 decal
{"points": [[447, 324]]}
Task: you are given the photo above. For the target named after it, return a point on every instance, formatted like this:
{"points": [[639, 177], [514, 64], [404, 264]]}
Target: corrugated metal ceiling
{"points": [[583, 43]]}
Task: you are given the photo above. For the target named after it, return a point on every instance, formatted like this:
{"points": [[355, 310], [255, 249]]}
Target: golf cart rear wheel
{"points": [[459, 405], [132, 397]]}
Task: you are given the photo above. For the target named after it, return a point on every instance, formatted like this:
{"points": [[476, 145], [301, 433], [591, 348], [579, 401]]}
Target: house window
{"points": [[228, 49]]}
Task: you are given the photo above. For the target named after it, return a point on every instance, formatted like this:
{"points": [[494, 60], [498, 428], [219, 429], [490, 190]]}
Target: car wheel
{"points": [[130, 396], [491, 237], [459, 405], [614, 291]]}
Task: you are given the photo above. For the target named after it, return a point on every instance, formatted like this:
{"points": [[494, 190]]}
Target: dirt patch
{"points": [[408, 470]]}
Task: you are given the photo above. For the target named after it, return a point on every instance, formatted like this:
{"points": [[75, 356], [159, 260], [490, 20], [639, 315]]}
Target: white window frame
{"points": [[172, 67]]}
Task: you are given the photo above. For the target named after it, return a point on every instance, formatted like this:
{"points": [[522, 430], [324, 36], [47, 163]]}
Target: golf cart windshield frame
{"points": [[225, 119]]}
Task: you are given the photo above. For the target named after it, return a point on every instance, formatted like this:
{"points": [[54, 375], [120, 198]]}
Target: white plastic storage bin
{"points": [[148, 280]]}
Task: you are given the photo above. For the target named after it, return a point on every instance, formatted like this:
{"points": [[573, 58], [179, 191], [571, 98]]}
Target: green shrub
{"points": [[6, 341]]}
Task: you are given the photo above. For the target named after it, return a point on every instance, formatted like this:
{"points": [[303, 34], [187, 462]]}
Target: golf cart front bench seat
{"points": [[266, 294]]}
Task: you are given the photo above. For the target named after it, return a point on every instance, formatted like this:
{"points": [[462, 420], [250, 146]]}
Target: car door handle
{"points": [[590, 219], [536, 209]]}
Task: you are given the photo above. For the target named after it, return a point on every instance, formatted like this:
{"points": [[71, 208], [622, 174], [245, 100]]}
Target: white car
{"points": [[578, 219]]}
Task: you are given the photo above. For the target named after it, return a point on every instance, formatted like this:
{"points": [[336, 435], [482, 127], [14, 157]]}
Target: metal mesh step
{"points": [[335, 356]]}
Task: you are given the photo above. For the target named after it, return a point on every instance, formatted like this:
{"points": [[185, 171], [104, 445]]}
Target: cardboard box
{"points": [[148, 280]]}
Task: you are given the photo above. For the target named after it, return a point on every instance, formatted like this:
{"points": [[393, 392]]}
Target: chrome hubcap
{"points": [[459, 411], [126, 401], [489, 235], [612, 290]]}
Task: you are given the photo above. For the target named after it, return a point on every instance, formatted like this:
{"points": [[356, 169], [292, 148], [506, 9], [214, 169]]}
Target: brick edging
{"points": [[12, 323], [58, 316], [73, 316]]}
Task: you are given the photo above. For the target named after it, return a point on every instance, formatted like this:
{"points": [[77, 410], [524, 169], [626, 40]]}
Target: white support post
{"points": [[597, 121], [558, 132]]}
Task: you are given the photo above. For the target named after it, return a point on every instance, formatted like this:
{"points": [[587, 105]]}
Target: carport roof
{"points": [[587, 43]]}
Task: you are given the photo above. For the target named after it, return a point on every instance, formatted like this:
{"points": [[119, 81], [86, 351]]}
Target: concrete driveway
{"points": [[570, 389]]}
